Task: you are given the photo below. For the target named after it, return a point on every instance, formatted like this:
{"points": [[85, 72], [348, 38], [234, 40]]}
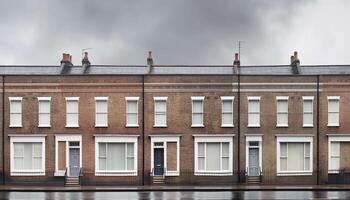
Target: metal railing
{"points": [[65, 175], [80, 175]]}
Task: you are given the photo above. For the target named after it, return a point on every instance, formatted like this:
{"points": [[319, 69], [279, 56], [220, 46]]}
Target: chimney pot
{"points": [[295, 55], [150, 59], [236, 57], [150, 54], [291, 59]]}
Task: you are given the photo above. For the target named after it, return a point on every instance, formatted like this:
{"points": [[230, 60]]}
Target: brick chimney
{"points": [[85, 63], [150, 61], [66, 63], [236, 64], [295, 63]]}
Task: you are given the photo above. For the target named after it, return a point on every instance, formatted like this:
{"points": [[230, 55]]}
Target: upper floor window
{"points": [[72, 111], [15, 111], [227, 111], [44, 111], [253, 111], [333, 110], [282, 111], [308, 111], [101, 117], [160, 114], [197, 111], [132, 111]]}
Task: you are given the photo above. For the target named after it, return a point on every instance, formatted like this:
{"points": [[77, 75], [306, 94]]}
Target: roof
{"points": [[176, 70]]}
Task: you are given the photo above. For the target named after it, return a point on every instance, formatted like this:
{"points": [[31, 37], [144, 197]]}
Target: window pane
{"points": [[72, 119], [253, 118], [227, 118], [283, 149], [18, 149], [335, 163], [201, 152], [282, 119], [225, 163], [37, 149], [28, 155], [102, 163], [201, 164], [307, 163], [115, 156], [197, 119], [333, 106], [44, 106], [132, 106], [254, 106], [160, 119], [308, 118], [101, 119], [197, 106], [130, 164], [44, 119], [131, 119], [101, 106], [295, 160], [130, 149], [160, 106], [102, 150], [227, 106], [283, 164], [15, 119], [213, 156], [16, 107], [333, 118], [72, 106], [308, 106], [225, 149], [335, 149], [282, 106], [307, 149]]}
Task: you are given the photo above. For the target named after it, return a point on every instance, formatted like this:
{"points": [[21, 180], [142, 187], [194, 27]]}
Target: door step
{"points": [[158, 180], [253, 180], [72, 181]]}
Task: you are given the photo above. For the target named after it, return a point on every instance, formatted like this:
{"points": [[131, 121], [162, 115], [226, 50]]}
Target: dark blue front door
{"points": [[158, 161]]}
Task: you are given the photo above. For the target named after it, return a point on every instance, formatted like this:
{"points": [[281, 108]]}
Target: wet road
{"points": [[175, 195]]}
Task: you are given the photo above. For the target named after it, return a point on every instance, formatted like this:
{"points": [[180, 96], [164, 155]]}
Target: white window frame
{"points": [[67, 138], [115, 139], [294, 139], [40, 100], [254, 98], [335, 138], [334, 98], [101, 99], [165, 139], [160, 99], [223, 99], [198, 98], [127, 100], [217, 138], [308, 98], [278, 113], [39, 138], [72, 99], [12, 99]]}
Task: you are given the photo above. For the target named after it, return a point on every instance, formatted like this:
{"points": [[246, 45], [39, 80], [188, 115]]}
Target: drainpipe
{"points": [[239, 128], [3, 130], [318, 129], [143, 129]]}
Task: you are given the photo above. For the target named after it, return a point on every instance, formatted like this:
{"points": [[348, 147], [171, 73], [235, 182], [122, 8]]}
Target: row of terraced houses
{"points": [[174, 124]]}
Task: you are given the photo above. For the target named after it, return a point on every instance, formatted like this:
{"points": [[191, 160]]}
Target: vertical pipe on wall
{"points": [[143, 129], [3, 130], [318, 129], [239, 126]]}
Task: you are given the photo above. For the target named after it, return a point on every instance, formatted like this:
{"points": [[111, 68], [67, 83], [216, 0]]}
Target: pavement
{"points": [[20, 188]]}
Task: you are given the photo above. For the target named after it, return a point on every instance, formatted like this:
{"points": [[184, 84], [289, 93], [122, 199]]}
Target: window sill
{"points": [[116, 173], [333, 171], [333, 125], [281, 126], [308, 173], [15, 126], [160, 126], [227, 126], [132, 126], [101, 126], [28, 173], [211, 173], [197, 125], [72, 126], [254, 126], [308, 126]]}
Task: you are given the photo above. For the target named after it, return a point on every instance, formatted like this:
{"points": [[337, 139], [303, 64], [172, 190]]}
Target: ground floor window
{"points": [[213, 155], [294, 157], [116, 155], [27, 156]]}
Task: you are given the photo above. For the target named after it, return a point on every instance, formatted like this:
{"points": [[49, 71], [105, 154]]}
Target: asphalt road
{"points": [[175, 195]]}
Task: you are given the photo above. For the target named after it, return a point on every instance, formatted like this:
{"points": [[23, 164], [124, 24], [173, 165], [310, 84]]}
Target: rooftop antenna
{"points": [[239, 49], [82, 52]]}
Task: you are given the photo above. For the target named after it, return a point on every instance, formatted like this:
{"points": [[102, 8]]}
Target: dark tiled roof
{"points": [[176, 69]]}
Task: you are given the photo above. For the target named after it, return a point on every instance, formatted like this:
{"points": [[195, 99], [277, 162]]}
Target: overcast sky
{"points": [[178, 32]]}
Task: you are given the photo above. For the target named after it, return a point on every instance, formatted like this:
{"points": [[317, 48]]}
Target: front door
{"points": [[74, 161], [253, 162], [158, 161]]}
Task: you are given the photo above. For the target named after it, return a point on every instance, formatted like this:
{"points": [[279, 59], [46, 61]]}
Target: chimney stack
{"points": [[150, 61], [86, 63], [295, 63], [236, 64], [66, 63]]}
